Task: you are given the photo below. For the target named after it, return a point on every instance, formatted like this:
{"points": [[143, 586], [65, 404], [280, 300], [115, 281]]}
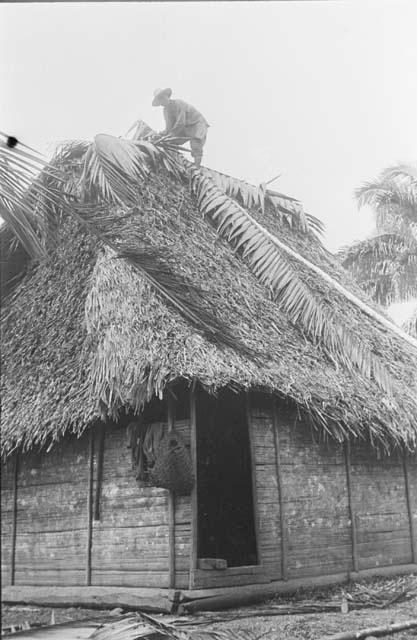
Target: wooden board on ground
{"points": [[151, 600]]}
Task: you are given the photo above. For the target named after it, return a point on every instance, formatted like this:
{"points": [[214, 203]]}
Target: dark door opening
{"points": [[226, 525]]}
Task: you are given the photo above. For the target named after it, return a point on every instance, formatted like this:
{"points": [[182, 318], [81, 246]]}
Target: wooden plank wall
{"points": [[379, 498], [411, 470], [51, 517], [315, 500], [130, 542], [183, 521], [7, 493], [267, 495]]}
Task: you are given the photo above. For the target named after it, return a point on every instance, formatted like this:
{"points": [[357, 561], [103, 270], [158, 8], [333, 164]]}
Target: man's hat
{"points": [[158, 94]]}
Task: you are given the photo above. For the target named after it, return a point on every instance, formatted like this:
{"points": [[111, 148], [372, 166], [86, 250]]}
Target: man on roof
{"points": [[182, 121]]}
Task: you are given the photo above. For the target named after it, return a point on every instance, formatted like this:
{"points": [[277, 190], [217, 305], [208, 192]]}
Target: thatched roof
{"points": [[411, 324], [85, 337]]}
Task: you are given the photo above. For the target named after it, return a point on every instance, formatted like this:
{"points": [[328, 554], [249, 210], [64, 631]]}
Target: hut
{"points": [[302, 469]]}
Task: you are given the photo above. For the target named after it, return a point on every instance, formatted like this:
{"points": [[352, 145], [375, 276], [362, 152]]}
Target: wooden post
{"points": [[253, 472], [282, 515], [14, 520], [194, 503], [352, 515], [99, 472], [90, 508], [413, 533], [171, 502]]}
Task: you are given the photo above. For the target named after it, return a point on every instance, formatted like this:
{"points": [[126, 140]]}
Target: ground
{"points": [[318, 626], [303, 626]]}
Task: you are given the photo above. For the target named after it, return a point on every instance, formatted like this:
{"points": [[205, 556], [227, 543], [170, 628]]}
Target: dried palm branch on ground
{"points": [[374, 632], [140, 625], [378, 594]]}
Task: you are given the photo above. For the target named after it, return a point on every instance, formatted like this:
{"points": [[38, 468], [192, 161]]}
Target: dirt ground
{"points": [[317, 626], [312, 626]]}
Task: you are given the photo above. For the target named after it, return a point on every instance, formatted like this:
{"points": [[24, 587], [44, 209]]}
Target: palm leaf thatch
{"points": [[115, 231], [289, 210], [123, 340], [274, 269], [112, 171], [411, 324], [109, 152], [125, 168]]}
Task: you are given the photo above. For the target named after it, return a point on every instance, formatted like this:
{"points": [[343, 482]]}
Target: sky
{"points": [[323, 93]]}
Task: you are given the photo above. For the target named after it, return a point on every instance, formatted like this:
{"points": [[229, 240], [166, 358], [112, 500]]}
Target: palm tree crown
{"points": [[386, 264]]}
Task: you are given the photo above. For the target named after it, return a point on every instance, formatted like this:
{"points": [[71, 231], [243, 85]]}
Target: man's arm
{"points": [[174, 116]]}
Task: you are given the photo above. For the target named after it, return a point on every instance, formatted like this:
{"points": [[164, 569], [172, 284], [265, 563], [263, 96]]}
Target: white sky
{"points": [[324, 93]]}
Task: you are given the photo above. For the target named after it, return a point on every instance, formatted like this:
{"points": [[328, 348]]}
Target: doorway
{"points": [[226, 522]]}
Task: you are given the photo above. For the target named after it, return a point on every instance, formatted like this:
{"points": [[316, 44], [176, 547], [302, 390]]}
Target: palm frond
{"points": [[289, 210], [388, 254], [392, 196], [256, 246], [114, 168], [21, 193], [112, 172], [140, 625], [402, 172]]}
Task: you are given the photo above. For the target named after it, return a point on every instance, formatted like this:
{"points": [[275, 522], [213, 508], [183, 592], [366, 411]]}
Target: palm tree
{"points": [[98, 182], [386, 264]]}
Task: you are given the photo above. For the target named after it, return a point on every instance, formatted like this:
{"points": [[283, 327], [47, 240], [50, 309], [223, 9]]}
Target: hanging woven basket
{"points": [[173, 467]]}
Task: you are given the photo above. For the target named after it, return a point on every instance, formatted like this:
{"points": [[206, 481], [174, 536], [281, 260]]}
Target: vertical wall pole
{"points": [[14, 520], [90, 508], [282, 514], [254, 484], [194, 503], [413, 533], [99, 472], [171, 502], [352, 515]]}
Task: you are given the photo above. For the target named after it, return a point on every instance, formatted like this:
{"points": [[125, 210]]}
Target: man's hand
{"points": [[154, 137]]}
